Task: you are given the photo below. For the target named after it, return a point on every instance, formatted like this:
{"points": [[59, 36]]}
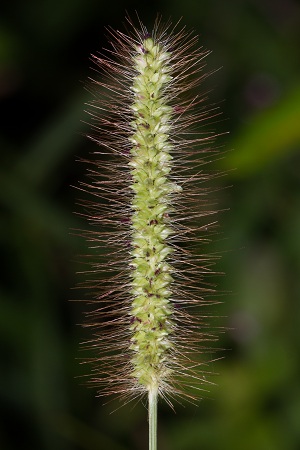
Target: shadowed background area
{"points": [[44, 62]]}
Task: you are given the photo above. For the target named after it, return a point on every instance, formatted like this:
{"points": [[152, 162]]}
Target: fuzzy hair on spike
{"points": [[151, 216]]}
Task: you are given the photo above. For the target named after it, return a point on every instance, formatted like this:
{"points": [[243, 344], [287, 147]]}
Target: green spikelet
{"points": [[151, 214]]}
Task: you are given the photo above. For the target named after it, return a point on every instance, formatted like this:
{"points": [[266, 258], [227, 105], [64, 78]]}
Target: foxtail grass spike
{"points": [[151, 216]]}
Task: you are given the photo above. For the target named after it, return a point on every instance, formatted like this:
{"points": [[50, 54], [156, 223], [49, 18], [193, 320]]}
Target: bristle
{"points": [[151, 216]]}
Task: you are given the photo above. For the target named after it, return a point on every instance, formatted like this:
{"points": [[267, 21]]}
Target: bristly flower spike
{"points": [[151, 217]]}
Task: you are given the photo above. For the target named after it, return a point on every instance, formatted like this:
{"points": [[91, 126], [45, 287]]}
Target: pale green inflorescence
{"points": [[151, 164]]}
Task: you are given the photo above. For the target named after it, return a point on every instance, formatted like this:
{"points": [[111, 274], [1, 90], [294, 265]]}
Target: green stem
{"points": [[152, 411]]}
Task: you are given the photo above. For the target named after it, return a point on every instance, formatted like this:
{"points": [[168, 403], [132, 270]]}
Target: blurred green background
{"points": [[44, 62]]}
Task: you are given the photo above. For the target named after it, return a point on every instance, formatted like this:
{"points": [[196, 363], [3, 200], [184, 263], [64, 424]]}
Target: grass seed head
{"points": [[150, 214]]}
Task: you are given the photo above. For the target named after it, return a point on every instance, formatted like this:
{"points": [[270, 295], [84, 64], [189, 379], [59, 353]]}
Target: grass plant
{"points": [[151, 217]]}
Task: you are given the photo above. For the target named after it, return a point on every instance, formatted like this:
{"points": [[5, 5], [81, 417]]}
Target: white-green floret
{"points": [[151, 163]]}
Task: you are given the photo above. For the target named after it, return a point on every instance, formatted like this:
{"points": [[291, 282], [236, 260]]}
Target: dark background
{"points": [[44, 62]]}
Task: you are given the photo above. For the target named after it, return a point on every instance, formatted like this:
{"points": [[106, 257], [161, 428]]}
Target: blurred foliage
{"points": [[44, 57]]}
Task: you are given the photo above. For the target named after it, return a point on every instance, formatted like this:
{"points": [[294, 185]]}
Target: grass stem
{"points": [[152, 411]]}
